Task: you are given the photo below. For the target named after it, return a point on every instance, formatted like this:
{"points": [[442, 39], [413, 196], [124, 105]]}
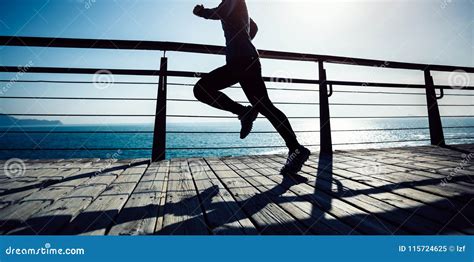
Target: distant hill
{"points": [[6, 120]]}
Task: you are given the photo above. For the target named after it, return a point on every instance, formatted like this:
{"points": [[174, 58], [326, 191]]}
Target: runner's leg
{"points": [[256, 91], [207, 90]]}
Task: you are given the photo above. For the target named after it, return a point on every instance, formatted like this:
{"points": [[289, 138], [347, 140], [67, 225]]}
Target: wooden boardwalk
{"points": [[413, 190]]}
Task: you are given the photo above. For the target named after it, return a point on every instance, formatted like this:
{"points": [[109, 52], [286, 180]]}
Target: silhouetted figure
{"points": [[243, 66]]}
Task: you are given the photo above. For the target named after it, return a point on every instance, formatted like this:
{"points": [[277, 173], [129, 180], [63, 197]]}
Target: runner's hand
{"points": [[197, 9]]}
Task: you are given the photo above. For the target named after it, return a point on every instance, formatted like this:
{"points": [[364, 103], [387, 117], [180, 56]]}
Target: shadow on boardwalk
{"points": [[325, 217]]}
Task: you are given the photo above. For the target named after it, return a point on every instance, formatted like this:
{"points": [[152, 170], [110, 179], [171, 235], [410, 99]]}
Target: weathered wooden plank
{"points": [[308, 213], [223, 215], [142, 212], [102, 212], [419, 180], [53, 217], [385, 184], [17, 213], [21, 188], [403, 217], [411, 198], [268, 217], [418, 177], [183, 214], [357, 218]]}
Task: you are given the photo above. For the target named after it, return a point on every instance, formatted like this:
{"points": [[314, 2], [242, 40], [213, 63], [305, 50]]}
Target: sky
{"points": [[423, 31]]}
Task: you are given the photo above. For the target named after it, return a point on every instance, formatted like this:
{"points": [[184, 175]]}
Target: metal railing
{"points": [[160, 116]]}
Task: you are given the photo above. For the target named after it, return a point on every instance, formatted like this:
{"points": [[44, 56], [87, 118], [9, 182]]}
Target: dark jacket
{"points": [[239, 28]]}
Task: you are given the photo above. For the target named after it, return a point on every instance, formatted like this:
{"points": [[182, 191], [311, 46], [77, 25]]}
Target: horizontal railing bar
{"points": [[232, 87], [307, 131], [81, 115], [144, 72], [396, 129], [211, 49], [89, 71], [235, 132], [232, 117], [317, 131], [78, 98], [144, 83], [135, 72], [244, 102], [75, 149], [345, 91], [275, 79], [230, 147], [332, 104], [134, 99], [315, 117], [268, 88], [387, 85], [381, 142], [458, 127], [74, 132], [194, 100], [281, 89], [141, 132], [335, 91], [228, 117], [218, 132], [120, 115], [398, 141], [76, 82]]}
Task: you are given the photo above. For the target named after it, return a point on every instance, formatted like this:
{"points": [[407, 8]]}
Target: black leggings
{"points": [[248, 73]]}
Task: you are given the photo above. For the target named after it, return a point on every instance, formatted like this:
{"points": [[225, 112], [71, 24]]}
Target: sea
{"points": [[110, 141]]}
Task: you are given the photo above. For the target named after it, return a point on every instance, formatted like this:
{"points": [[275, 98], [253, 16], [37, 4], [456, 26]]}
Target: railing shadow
{"points": [[52, 182]]}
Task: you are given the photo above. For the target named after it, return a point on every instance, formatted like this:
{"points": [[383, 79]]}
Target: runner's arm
{"points": [[253, 29], [218, 13]]}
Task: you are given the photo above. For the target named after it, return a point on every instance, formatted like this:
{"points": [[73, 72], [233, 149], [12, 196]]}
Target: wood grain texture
{"points": [[421, 190]]}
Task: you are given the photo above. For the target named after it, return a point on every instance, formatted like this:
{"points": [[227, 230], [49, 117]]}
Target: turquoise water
{"points": [[121, 141]]}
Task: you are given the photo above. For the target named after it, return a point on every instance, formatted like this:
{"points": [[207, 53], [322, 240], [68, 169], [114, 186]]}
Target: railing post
{"points": [[324, 118], [436, 128], [159, 133]]}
